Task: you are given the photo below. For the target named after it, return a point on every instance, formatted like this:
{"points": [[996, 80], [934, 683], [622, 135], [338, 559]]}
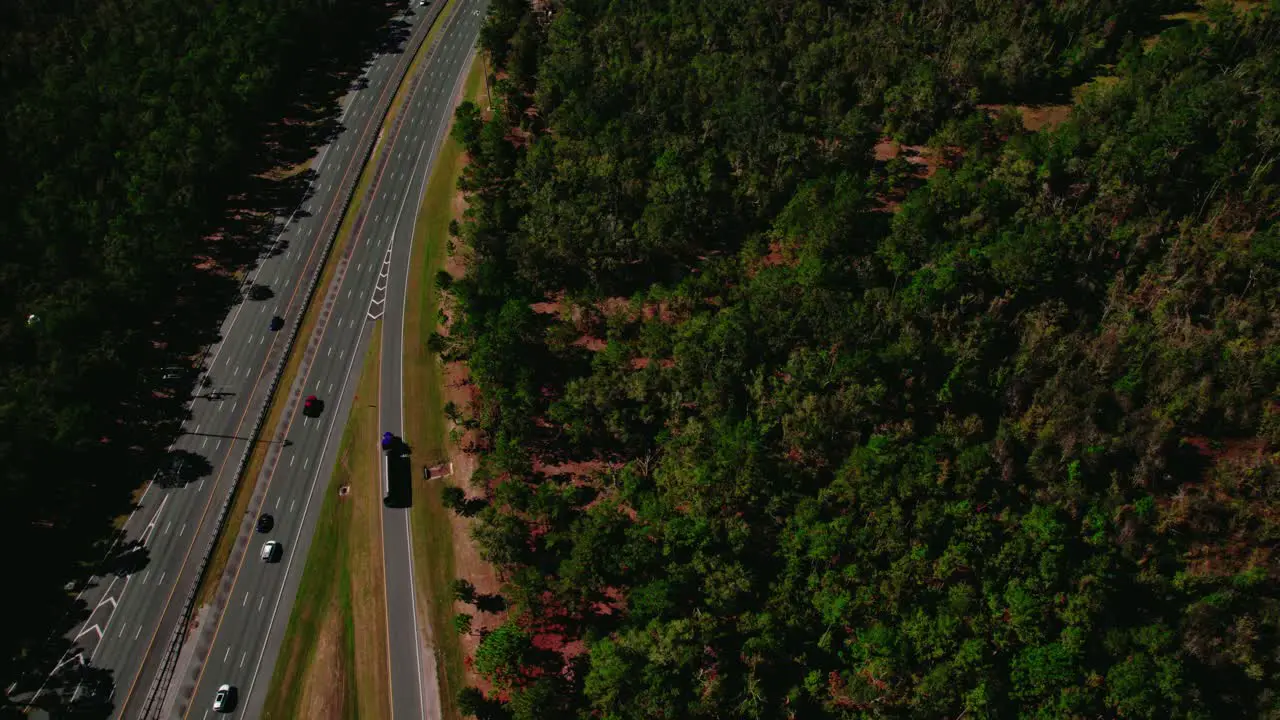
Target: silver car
{"points": [[225, 699], [269, 551]]}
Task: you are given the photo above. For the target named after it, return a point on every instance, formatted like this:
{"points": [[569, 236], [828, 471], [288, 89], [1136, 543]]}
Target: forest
{"points": [[143, 143], [874, 359]]}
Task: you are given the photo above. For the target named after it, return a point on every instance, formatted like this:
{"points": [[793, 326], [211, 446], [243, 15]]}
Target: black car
{"points": [[277, 322], [265, 522]]}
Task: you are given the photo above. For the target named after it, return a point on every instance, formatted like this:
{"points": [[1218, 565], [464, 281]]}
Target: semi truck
{"points": [[396, 491]]}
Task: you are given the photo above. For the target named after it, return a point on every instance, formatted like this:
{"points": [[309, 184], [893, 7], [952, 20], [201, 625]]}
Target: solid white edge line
{"points": [[297, 534], [289, 565]]}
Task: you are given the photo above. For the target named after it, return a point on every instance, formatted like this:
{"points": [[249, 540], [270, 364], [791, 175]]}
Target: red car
{"points": [[311, 405]]}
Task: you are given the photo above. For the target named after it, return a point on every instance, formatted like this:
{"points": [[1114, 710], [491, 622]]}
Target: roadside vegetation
{"points": [[326, 668], [816, 378]]}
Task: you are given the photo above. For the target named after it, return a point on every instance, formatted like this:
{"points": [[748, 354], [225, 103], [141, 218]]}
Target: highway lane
{"points": [[415, 691], [244, 644], [133, 616]]}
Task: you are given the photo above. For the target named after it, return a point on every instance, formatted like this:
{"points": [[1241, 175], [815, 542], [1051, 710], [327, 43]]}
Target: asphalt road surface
{"points": [[133, 615], [244, 644]]}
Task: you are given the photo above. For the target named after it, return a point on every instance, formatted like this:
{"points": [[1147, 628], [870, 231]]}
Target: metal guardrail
{"points": [[155, 694]]}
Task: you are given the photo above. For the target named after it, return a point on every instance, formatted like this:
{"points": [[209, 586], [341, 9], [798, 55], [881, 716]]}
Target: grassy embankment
{"points": [[325, 668], [425, 423]]}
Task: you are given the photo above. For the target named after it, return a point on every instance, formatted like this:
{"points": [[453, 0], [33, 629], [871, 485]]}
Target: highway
{"points": [[241, 647], [133, 616]]}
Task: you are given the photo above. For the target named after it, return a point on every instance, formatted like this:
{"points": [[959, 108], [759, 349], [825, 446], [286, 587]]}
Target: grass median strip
{"points": [[249, 480], [333, 661], [425, 423]]}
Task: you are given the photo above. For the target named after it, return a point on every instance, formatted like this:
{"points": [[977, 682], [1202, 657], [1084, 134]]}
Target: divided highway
{"points": [[242, 647], [134, 616]]}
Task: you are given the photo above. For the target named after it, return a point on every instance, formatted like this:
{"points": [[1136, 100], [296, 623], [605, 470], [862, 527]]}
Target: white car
{"points": [[224, 699], [269, 550]]}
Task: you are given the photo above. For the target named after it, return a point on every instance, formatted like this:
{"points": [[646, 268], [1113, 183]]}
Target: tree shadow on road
{"points": [[233, 220]]}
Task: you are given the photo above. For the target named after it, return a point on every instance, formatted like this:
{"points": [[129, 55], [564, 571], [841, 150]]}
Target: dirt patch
{"points": [[459, 204], [581, 469], [925, 159], [467, 561], [1034, 117], [550, 307], [1235, 449], [594, 344], [904, 168], [325, 687]]}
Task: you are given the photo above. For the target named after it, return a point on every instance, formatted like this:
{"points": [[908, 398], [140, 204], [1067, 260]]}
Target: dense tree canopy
{"points": [[775, 424], [137, 138]]}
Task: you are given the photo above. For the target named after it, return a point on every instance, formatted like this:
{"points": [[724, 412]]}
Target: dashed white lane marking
{"points": [[218, 445], [121, 633], [145, 576], [204, 443], [243, 655], [137, 632], [278, 501], [234, 404], [237, 372], [167, 525], [295, 457], [262, 339], [291, 502], [200, 486], [226, 655], [305, 463], [330, 388], [330, 353], [161, 580], [246, 599], [182, 529], [260, 600]]}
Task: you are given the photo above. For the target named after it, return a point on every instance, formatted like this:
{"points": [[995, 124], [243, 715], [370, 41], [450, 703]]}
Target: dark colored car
{"points": [[265, 523], [312, 407], [177, 466], [277, 322]]}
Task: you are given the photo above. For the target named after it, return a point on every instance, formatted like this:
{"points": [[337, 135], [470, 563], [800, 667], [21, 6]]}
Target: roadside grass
{"points": [[249, 480], [343, 575], [425, 422]]}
